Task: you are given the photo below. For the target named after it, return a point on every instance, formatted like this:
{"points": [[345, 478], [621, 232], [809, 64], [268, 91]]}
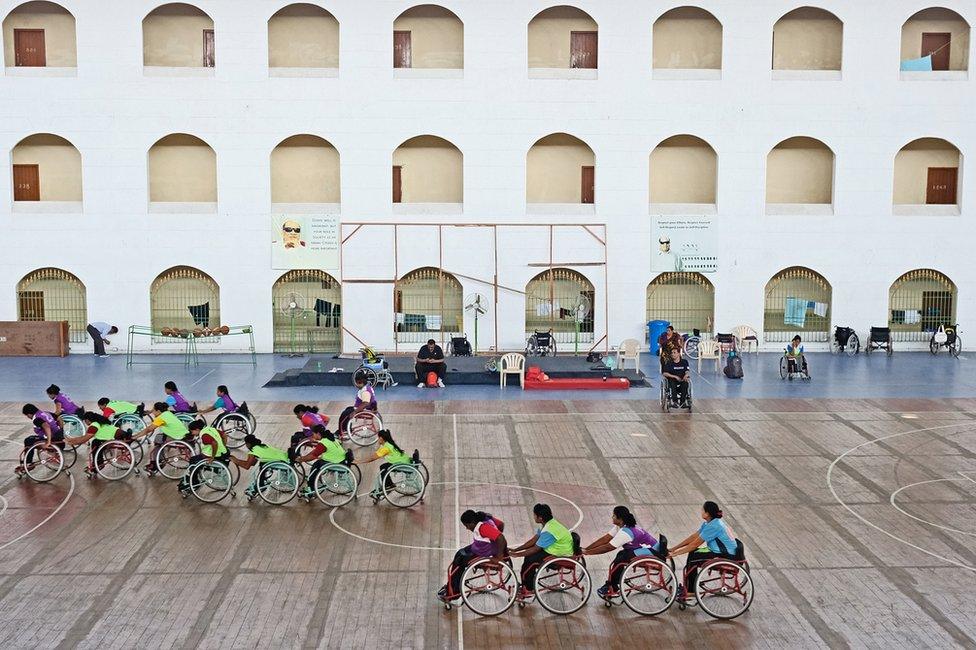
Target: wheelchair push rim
{"points": [[236, 426], [211, 482], [47, 465], [403, 485], [173, 459], [187, 418], [280, 484], [114, 460], [362, 429], [368, 375], [648, 586], [73, 427], [562, 585], [724, 589], [488, 588], [130, 423], [336, 485]]}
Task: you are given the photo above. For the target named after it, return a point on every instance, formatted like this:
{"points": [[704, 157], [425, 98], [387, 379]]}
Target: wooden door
{"points": [[582, 50], [588, 189], [397, 183], [937, 44], [27, 186], [30, 305], [29, 48], [401, 50], [209, 49], [941, 188]]}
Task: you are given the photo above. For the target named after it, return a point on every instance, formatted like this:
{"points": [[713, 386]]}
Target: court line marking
{"points": [[71, 491], [457, 525], [926, 521], [837, 498], [202, 378], [441, 548], [4, 508], [731, 414]]}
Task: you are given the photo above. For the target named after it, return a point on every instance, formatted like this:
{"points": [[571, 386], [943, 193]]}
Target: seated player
{"points": [[98, 430], [677, 371], [713, 540], [259, 454], [46, 430], [114, 408], [550, 539], [177, 403], [213, 446], [365, 401], [63, 405], [631, 540], [167, 427], [488, 542], [309, 416], [223, 401], [390, 452], [795, 358], [327, 451]]}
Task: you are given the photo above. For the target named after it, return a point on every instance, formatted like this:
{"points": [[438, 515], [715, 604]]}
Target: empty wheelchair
{"points": [[562, 584], [236, 424], [845, 340], [670, 401], [791, 367], [691, 343], [374, 370], [880, 340], [541, 344], [946, 337], [648, 585], [459, 346], [723, 587]]}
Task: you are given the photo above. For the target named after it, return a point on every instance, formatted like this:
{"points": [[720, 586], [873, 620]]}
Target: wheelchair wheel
{"points": [[955, 347], [277, 483], [47, 464], [403, 485], [724, 589], [853, 345], [173, 459], [562, 585], [423, 471], [130, 423], [890, 350], [367, 374], [933, 346], [362, 427], [211, 482], [691, 347], [532, 346], [70, 455], [648, 586], [114, 460], [304, 447], [665, 402], [783, 367], [335, 485], [73, 427], [138, 453], [236, 426], [488, 587]]}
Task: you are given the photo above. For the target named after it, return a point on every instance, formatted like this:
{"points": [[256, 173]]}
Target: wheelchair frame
{"points": [[533, 347], [880, 339], [666, 401]]}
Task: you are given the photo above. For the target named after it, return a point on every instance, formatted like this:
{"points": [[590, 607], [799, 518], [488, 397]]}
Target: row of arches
{"points": [[560, 168], [430, 303], [306, 35]]}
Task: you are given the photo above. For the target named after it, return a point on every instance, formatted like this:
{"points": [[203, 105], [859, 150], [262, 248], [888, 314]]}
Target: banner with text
{"points": [[688, 243], [305, 242]]}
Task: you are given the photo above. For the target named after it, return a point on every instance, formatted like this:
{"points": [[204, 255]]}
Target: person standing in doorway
{"points": [[98, 331]]}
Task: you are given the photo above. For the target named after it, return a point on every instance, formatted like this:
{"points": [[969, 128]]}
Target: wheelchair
{"points": [[488, 587], [691, 343], [562, 584], [276, 483], [375, 374], [335, 485], [362, 427], [459, 346], [187, 418], [880, 340], [668, 403], [845, 340], [402, 485], [541, 344], [212, 482], [47, 463], [789, 368], [236, 424], [72, 425], [113, 460], [723, 588], [648, 585], [172, 459], [946, 337]]}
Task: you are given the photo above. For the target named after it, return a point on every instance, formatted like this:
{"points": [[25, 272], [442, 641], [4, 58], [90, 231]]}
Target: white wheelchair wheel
{"points": [[724, 589], [648, 586], [277, 483], [403, 485], [562, 585], [129, 422], [114, 460], [173, 459], [73, 426], [236, 426], [488, 587], [211, 482], [363, 427], [47, 463], [335, 485]]}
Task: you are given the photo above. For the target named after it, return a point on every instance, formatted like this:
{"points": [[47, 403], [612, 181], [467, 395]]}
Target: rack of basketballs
{"points": [[197, 332], [188, 340]]}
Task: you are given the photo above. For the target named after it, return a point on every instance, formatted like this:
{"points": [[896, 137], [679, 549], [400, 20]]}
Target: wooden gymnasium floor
{"points": [[127, 565]]}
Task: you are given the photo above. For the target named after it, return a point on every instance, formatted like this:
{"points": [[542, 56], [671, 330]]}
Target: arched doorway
{"points": [[560, 299], [918, 303], [797, 302], [427, 305], [184, 297], [51, 294], [307, 312], [686, 300]]}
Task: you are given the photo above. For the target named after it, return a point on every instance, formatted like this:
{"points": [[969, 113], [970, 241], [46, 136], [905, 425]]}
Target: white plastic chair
{"points": [[746, 339], [512, 363], [709, 349], [629, 349]]}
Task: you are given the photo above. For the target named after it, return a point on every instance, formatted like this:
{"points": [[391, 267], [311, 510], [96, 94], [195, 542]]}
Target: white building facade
{"points": [[524, 138]]}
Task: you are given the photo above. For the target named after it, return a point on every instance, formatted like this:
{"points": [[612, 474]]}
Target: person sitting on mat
{"points": [[430, 359]]}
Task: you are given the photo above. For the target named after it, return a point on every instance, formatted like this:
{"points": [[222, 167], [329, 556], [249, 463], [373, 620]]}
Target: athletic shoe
{"points": [[101, 356], [440, 384], [604, 592], [420, 385]]}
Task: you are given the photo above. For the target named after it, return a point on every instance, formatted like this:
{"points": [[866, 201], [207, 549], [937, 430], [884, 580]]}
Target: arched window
{"points": [[926, 178], [918, 302], [428, 305], [686, 300], [797, 302], [51, 294], [303, 40], [184, 297], [935, 40], [307, 312], [40, 34], [683, 170], [687, 39], [428, 169], [560, 300], [304, 169], [428, 36], [46, 167], [183, 170], [560, 168], [178, 35], [808, 38], [799, 177], [562, 37]]}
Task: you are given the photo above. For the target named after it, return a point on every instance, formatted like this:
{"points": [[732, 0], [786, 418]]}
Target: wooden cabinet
{"points": [[33, 338]]}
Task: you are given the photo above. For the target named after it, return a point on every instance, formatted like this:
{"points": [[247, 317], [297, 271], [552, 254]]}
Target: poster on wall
{"points": [[305, 242], [684, 243]]}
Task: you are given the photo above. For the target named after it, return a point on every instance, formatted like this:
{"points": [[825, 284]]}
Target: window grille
{"points": [[918, 302], [554, 299], [797, 302], [317, 318], [427, 305], [686, 300], [51, 294], [185, 298]]}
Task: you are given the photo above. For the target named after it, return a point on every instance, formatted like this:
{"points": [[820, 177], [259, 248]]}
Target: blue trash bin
{"points": [[655, 329]]}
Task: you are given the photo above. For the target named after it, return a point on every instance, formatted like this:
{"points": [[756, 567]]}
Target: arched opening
{"points": [[427, 305], [428, 169], [561, 300], [564, 38], [808, 38], [800, 177], [918, 303], [304, 169], [51, 294], [935, 40], [686, 300], [797, 301], [39, 35], [428, 36], [927, 174], [178, 35], [687, 38], [683, 170], [183, 169], [303, 36], [307, 312], [185, 298], [560, 168], [46, 167]]}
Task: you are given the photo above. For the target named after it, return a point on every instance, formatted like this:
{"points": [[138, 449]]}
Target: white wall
{"points": [[113, 114]]}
